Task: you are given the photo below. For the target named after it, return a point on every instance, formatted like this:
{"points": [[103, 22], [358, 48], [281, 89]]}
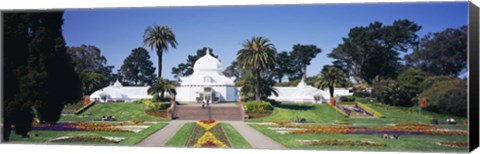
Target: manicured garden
{"points": [[208, 134], [325, 138], [121, 112], [89, 133]]}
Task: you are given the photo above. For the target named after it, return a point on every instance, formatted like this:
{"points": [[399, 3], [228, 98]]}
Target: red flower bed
{"points": [[454, 144], [208, 121]]}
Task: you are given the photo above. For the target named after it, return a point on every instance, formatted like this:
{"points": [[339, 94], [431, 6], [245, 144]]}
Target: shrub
{"points": [[157, 106], [253, 106], [447, 97], [347, 98]]}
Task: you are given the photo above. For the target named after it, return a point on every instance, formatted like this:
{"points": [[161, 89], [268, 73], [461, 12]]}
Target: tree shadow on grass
{"points": [[295, 106]]}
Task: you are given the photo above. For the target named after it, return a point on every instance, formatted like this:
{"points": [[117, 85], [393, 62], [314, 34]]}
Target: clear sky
{"points": [[224, 28]]}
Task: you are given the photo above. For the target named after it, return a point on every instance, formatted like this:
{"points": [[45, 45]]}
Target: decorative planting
{"points": [[208, 133], [96, 139], [108, 127], [454, 144], [85, 107], [370, 110], [335, 142]]}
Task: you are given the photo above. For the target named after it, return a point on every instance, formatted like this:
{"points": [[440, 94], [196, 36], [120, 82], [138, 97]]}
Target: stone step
{"points": [[217, 113]]}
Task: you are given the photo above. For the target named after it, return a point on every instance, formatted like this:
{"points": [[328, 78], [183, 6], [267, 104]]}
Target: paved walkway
{"points": [[159, 138], [256, 139]]}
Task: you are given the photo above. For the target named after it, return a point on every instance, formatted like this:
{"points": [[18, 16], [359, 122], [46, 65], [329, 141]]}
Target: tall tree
{"points": [[137, 68], [159, 37], [248, 84], [91, 66], [330, 78], [441, 53], [373, 51], [186, 69], [284, 66], [160, 87], [40, 76], [257, 55], [234, 70], [302, 55]]}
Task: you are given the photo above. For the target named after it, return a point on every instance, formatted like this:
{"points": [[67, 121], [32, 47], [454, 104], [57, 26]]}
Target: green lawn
{"points": [[181, 137], [324, 114], [423, 143], [237, 140], [131, 138], [121, 111]]}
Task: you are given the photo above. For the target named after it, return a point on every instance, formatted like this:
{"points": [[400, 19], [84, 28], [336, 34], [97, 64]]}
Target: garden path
{"points": [[256, 139], [159, 138]]}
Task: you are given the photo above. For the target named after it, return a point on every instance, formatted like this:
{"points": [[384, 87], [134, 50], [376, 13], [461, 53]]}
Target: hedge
{"points": [[85, 107], [366, 108], [253, 106]]}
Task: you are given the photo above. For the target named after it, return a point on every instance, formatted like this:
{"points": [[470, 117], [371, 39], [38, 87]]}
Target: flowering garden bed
{"points": [[335, 142], [399, 129], [208, 133], [454, 144], [158, 113], [109, 127]]}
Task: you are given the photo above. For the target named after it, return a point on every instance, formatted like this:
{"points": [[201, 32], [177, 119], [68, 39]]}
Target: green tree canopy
{"points": [[161, 87], [441, 53], [257, 55], [302, 55], [137, 68], [331, 77], [373, 51], [91, 66], [159, 37], [186, 69], [284, 66]]}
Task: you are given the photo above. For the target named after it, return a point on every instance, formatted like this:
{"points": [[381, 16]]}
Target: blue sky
{"points": [[224, 28]]}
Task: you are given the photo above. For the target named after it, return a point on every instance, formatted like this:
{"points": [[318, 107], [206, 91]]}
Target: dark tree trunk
{"points": [[257, 86], [304, 77], [160, 55], [161, 96], [280, 79], [331, 89]]}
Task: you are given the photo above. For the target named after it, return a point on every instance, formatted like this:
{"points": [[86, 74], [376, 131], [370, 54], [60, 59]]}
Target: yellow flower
{"points": [[209, 137]]}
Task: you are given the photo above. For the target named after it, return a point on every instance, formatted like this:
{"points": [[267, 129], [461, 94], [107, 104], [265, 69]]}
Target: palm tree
{"points": [[330, 78], [258, 55], [248, 84], [160, 87], [159, 37]]}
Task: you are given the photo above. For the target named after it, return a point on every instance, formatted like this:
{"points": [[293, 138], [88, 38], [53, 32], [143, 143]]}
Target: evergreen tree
{"points": [[40, 73], [137, 68]]}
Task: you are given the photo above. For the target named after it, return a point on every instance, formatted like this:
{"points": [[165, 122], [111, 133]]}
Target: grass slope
{"points": [[406, 143], [121, 111], [237, 140], [181, 137], [323, 113], [131, 138]]}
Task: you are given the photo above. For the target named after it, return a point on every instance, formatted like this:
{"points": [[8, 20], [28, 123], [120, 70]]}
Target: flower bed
{"points": [[110, 127], [258, 114], [208, 133], [454, 144], [400, 129], [335, 142]]}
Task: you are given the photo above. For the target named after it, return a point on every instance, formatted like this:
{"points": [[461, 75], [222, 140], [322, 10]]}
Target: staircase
{"points": [[218, 112]]}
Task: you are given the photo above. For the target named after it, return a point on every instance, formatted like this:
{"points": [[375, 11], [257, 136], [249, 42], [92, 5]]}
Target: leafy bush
{"points": [[347, 98], [155, 106], [253, 106], [447, 97]]}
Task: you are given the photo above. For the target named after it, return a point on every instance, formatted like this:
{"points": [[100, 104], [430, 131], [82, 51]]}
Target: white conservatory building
{"points": [[207, 79], [207, 83]]}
